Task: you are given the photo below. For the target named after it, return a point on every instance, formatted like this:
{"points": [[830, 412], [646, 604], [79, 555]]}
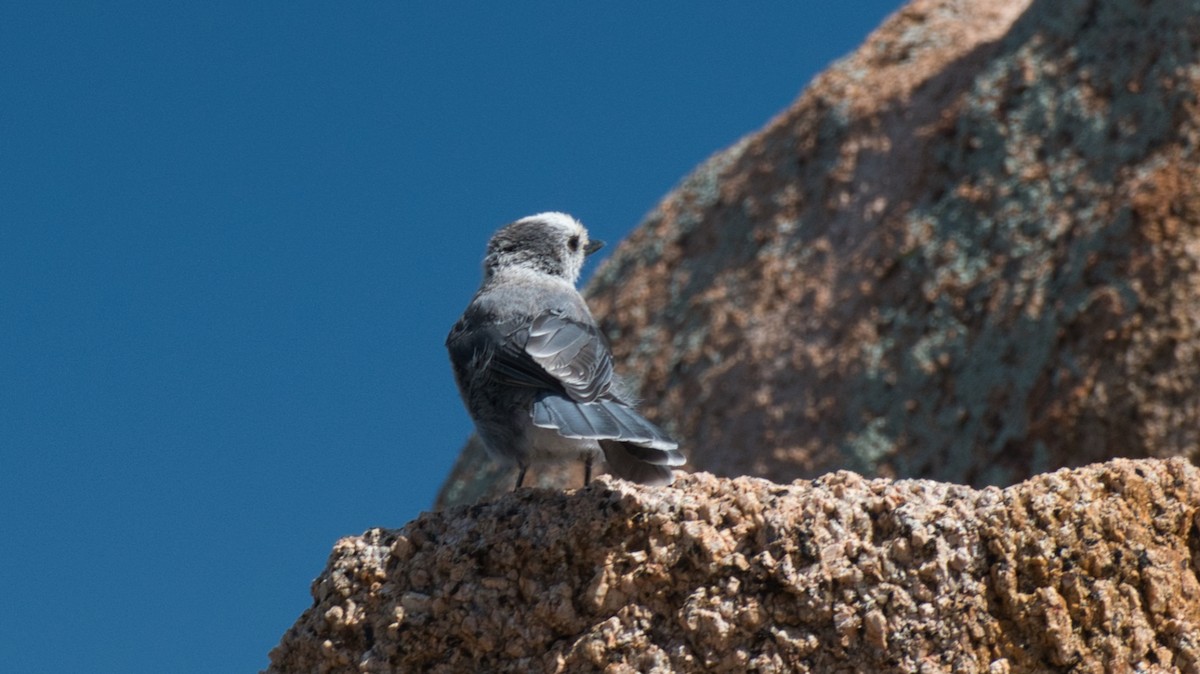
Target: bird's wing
{"points": [[571, 364], [557, 353]]}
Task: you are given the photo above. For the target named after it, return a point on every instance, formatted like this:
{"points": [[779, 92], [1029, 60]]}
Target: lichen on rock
{"points": [[969, 251]]}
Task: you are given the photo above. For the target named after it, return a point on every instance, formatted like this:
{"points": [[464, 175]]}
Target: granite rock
{"points": [[1091, 569], [970, 251]]}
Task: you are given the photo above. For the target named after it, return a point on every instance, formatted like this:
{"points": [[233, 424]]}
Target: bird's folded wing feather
{"points": [[556, 353]]}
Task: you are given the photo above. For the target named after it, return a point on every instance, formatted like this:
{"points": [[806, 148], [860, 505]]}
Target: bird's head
{"points": [[547, 243]]}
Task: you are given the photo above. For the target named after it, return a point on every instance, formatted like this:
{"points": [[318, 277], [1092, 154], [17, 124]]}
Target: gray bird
{"points": [[533, 369]]}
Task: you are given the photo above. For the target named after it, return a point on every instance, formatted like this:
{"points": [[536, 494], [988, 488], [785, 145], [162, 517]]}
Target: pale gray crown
{"points": [[548, 243]]}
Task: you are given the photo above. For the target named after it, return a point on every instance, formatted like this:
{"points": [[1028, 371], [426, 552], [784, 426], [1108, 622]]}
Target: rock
{"points": [[1086, 570], [970, 251]]}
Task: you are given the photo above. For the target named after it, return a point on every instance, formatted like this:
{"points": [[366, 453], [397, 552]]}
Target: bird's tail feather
{"points": [[624, 464], [600, 420], [634, 448], [655, 457]]}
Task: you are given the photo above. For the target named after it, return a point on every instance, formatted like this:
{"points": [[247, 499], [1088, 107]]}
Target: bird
{"points": [[533, 369]]}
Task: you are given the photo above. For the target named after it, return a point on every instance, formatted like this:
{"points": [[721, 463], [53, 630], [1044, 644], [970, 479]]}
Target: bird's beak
{"points": [[593, 246]]}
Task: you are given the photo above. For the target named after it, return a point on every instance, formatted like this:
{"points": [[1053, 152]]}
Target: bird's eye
{"points": [[573, 243]]}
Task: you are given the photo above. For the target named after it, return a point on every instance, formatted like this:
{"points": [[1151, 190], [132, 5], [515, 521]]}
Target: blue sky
{"points": [[233, 236]]}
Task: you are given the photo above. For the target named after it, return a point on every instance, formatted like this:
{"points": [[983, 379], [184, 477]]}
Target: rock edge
{"points": [[1082, 570]]}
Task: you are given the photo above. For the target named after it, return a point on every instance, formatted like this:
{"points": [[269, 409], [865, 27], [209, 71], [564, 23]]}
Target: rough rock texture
{"points": [[1084, 570], [970, 251]]}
